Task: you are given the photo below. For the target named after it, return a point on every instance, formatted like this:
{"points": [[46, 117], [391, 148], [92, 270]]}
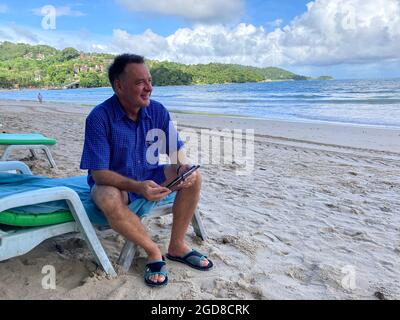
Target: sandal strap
{"points": [[194, 257], [194, 253], [155, 266]]}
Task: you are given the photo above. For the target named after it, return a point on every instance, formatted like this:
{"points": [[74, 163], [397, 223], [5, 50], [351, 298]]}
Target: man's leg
{"points": [[184, 207], [114, 204]]}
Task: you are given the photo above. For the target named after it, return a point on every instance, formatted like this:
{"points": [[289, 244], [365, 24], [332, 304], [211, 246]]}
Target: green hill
{"points": [[23, 65]]}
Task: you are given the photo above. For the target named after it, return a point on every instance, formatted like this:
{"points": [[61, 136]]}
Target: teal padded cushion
{"points": [[16, 183], [25, 139]]}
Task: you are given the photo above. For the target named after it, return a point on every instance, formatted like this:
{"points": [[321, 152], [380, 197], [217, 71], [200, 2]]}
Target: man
{"points": [[116, 153]]}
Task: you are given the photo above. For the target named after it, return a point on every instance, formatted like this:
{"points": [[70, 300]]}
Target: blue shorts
{"points": [[157, 175], [142, 206]]}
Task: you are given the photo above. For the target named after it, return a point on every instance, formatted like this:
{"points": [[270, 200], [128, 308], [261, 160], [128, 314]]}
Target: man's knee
{"points": [[199, 179], [110, 200], [196, 186]]}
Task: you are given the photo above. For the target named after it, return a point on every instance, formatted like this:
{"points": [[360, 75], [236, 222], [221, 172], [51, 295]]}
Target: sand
{"points": [[318, 218]]}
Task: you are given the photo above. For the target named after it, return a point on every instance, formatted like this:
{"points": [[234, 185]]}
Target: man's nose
{"points": [[148, 86]]}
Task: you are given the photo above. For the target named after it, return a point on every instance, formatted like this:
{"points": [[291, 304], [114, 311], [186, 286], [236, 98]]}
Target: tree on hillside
{"points": [[163, 76], [93, 79], [69, 54], [24, 65]]}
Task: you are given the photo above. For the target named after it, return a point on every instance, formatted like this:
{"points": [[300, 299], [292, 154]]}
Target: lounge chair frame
{"points": [[17, 242], [32, 148]]}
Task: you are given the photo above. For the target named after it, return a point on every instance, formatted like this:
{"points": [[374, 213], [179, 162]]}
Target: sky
{"points": [[347, 39]]}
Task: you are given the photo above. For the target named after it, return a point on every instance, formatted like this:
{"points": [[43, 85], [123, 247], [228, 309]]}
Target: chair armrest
{"points": [[39, 196], [15, 165]]}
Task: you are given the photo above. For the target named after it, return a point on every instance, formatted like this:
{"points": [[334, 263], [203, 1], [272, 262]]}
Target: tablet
{"points": [[182, 177]]}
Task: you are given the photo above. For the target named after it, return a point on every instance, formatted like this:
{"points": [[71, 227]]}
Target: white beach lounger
{"points": [[15, 242], [26, 141]]}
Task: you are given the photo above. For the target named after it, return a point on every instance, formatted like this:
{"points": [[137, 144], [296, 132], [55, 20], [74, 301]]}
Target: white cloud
{"points": [[204, 11], [22, 33], [352, 31], [58, 39], [99, 47], [276, 23], [147, 44], [329, 33], [344, 35], [3, 8], [60, 11], [4, 36]]}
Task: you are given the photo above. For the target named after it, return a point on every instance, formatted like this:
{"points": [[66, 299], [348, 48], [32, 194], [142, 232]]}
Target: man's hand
{"points": [[189, 181], [152, 191]]}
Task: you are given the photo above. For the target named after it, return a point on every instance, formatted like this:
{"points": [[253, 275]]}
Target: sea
{"points": [[358, 102]]}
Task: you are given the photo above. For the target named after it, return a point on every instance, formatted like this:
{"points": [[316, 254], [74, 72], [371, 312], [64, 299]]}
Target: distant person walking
{"points": [[40, 98]]}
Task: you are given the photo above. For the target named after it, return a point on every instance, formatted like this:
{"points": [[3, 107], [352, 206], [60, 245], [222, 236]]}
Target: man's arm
{"points": [[111, 178], [149, 189]]}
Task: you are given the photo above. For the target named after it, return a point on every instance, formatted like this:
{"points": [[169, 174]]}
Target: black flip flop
{"points": [[156, 267], [186, 259]]}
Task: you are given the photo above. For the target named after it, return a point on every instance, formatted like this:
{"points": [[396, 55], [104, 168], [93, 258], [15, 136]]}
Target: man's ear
{"points": [[118, 85]]}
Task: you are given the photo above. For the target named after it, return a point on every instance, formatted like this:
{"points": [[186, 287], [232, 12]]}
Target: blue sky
{"points": [[343, 38], [107, 15]]}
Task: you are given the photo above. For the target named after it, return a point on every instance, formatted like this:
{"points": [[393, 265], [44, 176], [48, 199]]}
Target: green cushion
{"points": [[25, 138], [34, 220]]}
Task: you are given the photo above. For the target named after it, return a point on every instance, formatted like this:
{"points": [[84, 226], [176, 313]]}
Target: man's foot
{"points": [[182, 251], [152, 257], [193, 259], [156, 273]]}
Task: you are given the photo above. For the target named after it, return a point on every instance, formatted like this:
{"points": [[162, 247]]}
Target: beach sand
{"points": [[318, 218]]}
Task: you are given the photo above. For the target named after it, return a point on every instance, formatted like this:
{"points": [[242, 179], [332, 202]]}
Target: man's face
{"points": [[134, 86]]}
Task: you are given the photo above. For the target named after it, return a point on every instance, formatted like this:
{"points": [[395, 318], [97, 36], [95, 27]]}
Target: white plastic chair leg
{"points": [[33, 152], [49, 157], [9, 149]]}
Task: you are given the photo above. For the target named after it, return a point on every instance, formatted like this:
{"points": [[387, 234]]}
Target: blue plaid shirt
{"points": [[115, 142]]}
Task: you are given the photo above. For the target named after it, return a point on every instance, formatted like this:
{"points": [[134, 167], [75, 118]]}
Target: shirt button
{"points": [[138, 161]]}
